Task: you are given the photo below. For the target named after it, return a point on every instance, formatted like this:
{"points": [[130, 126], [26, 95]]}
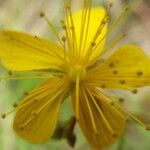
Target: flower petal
{"points": [[93, 23], [128, 67], [21, 52], [37, 114], [100, 121]]}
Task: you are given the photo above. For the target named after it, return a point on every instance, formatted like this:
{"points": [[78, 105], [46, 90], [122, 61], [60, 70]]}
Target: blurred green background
{"points": [[23, 15]]}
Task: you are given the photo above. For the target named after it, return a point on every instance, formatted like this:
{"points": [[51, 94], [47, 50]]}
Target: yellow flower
{"points": [[74, 66]]}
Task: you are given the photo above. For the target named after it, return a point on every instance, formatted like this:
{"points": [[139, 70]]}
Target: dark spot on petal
{"points": [[121, 99], [115, 72], [122, 81], [139, 73], [103, 86], [111, 65]]}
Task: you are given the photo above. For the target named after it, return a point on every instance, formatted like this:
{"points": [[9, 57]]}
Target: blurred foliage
{"points": [[23, 15]]}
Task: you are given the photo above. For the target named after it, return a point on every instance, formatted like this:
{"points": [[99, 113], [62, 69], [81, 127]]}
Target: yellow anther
{"points": [[93, 44], [110, 5], [68, 6], [147, 127], [3, 115], [42, 14], [15, 105], [134, 91], [63, 39]]}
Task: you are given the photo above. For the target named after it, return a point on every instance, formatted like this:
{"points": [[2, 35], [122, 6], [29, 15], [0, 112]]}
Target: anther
{"points": [[110, 5], [122, 81], [147, 127], [134, 91], [42, 14], [103, 22], [15, 105], [93, 44], [3, 115], [68, 6], [72, 27], [139, 73], [127, 8], [26, 93], [63, 39], [64, 26]]}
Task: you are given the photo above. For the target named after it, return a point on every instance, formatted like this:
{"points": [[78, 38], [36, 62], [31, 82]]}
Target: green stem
{"points": [[121, 142]]}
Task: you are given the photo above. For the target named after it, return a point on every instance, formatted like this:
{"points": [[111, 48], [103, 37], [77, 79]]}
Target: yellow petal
{"points": [[101, 122], [21, 52], [94, 17], [128, 67], [37, 114]]}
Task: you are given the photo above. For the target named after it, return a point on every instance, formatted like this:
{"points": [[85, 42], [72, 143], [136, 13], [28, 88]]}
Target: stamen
{"points": [[132, 116], [42, 14], [77, 98], [88, 9], [26, 93], [36, 112], [112, 27], [90, 112], [114, 43], [74, 38], [24, 77], [65, 50], [97, 34], [102, 114]]}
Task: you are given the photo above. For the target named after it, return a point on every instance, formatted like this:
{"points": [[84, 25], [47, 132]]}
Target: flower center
{"points": [[77, 71]]}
